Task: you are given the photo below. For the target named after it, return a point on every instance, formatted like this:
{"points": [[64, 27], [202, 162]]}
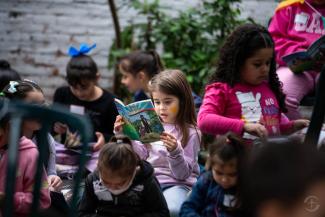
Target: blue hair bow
{"points": [[74, 52]]}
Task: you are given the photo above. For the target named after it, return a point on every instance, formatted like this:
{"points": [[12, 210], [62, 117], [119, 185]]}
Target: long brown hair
{"points": [[173, 82]]}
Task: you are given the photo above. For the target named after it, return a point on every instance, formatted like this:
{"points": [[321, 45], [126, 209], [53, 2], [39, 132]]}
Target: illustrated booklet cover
{"points": [[141, 120], [310, 60]]}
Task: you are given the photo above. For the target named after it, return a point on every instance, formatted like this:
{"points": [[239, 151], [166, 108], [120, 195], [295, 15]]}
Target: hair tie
{"points": [[2, 94], [12, 88], [74, 52], [119, 141]]}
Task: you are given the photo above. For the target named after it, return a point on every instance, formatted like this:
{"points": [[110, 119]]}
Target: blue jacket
{"points": [[207, 199]]}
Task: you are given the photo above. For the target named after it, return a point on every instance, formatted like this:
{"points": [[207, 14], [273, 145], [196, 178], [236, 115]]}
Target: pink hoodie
{"points": [[23, 197], [294, 27]]}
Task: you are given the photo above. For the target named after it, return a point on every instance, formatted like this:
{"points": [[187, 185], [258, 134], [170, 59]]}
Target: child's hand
{"points": [[256, 129], [118, 125], [100, 141], [60, 128], [169, 141], [300, 124], [54, 181]]}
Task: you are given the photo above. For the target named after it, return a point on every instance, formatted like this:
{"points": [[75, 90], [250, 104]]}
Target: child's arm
{"points": [[23, 200], [288, 127], [154, 202], [182, 161], [278, 28], [196, 202], [87, 206], [210, 118]]}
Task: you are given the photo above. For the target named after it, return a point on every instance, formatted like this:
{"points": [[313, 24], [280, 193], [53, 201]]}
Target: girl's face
{"points": [[34, 97], [225, 173], [134, 82], [166, 106], [84, 91], [257, 67], [114, 181]]}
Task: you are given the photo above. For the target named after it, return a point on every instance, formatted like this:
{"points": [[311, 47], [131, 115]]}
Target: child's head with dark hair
{"points": [[137, 68], [29, 92], [226, 155], [82, 76], [247, 57], [279, 177], [4, 122], [117, 164], [172, 96], [24, 90], [7, 74]]}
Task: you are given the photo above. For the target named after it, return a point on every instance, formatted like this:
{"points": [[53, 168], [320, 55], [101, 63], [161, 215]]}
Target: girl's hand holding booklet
{"points": [[312, 59], [141, 121]]}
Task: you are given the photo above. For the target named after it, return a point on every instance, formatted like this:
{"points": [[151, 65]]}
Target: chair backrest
{"points": [[318, 114], [47, 116]]}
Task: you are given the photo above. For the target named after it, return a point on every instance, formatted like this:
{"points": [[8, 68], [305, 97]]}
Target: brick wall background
{"points": [[35, 34]]}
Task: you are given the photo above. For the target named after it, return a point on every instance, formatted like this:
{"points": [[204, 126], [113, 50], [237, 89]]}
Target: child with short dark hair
{"points": [[215, 193], [123, 185], [85, 95]]}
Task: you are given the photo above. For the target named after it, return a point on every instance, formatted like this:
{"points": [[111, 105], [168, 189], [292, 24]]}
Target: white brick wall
{"points": [[35, 34]]}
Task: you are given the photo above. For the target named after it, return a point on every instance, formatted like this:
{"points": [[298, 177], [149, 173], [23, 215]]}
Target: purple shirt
{"points": [[179, 167]]}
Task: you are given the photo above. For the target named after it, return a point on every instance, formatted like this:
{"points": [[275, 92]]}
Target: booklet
{"points": [[141, 120], [312, 59]]}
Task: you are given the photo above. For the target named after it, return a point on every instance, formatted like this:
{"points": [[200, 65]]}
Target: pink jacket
{"points": [[179, 167], [295, 27], [227, 109], [23, 197]]}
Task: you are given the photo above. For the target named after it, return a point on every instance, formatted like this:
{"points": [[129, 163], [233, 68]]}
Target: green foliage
{"points": [[190, 40]]}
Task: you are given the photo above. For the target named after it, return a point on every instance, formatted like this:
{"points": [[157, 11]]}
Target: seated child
{"points": [[123, 185], [215, 192], [30, 92], [26, 168], [83, 94]]}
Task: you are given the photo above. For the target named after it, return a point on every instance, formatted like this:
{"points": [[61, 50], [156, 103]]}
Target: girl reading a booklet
{"points": [[294, 27], [174, 157]]}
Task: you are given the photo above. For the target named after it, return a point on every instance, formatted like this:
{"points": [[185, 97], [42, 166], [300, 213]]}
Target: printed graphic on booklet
{"points": [[312, 59], [141, 120]]}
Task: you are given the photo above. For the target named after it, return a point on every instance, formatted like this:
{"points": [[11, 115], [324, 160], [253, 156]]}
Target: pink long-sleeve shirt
{"points": [[295, 27], [227, 108], [179, 167], [25, 179]]}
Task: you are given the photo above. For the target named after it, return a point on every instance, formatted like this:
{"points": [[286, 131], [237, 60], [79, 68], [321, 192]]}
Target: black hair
{"points": [[22, 88], [7, 74], [118, 156], [280, 171], [147, 61], [241, 44], [226, 148], [80, 69]]}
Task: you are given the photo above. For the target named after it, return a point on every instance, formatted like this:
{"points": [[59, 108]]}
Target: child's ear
{"points": [[97, 76], [142, 76]]}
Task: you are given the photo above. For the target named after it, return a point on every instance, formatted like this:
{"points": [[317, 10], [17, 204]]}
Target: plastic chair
{"points": [[318, 114], [46, 116]]}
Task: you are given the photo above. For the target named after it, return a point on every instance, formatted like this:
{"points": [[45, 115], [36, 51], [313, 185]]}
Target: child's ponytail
{"points": [[158, 62]]}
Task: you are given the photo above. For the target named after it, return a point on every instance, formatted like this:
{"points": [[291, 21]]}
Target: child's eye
{"points": [[156, 102], [257, 65], [168, 102]]}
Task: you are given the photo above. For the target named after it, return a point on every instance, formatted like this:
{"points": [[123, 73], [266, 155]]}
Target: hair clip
{"points": [[119, 141], [2, 94], [74, 52], [12, 88]]}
